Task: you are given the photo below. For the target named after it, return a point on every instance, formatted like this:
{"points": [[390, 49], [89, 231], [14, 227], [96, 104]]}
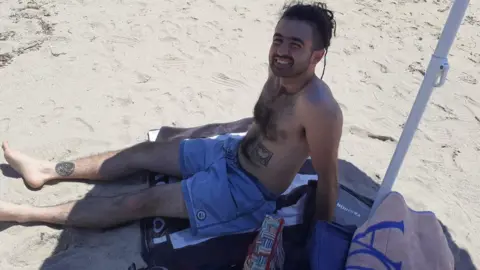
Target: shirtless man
{"points": [[229, 183]]}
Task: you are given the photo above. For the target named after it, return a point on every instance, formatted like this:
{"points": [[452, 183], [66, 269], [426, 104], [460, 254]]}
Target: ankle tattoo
{"points": [[65, 168]]}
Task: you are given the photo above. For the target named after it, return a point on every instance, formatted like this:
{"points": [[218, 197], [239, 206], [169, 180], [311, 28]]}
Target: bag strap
{"points": [[309, 191], [309, 209], [291, 198]]}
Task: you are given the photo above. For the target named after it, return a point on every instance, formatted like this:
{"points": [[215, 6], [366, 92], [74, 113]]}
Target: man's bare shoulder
{"points": [[317, 101], [322, 119]]}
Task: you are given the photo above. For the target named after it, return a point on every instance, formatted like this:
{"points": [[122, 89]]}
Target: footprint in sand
{"points": [[191, 19], [382, 67], [474, 57], [455, 154], [217, 5], [28, 248], [97, 28], [472, 20], [398, 93], [47, 28], [171, 27], [468, 78], [224, 80], [213, 26], [240, 9], [4, 124], [124, 102], [142, 77], [451, 115], [467, 45], [360, 132], [85, 124], [31, 46], [140, 31], [365, 76], [169, 61], [472, 111], [37, 13], [351, 50], [169, 39], [5, 59], [211, 51], [471, 101], [50, 103], [416, 67], [129, 41], [7, 35], [58, 111], [39, 120]]}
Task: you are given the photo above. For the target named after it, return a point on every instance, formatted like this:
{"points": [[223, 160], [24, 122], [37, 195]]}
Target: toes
{"points": [[5, 146]]}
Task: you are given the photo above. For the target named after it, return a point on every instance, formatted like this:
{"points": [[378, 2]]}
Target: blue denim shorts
{"points": [[221, 197]]}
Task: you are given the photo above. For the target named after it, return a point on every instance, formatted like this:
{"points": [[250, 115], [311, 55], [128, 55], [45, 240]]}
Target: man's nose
{"points": [[283, 49]]}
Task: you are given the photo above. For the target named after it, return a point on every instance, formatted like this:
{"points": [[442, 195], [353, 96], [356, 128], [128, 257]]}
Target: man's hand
{"points": [[323, 128]]}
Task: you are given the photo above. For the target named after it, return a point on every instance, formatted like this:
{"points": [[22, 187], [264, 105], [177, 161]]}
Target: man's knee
{"points": [[161, 157], [163, 200], [138, 204]]}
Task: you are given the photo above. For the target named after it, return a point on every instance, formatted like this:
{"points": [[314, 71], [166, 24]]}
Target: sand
{"points": [[81, 77]]}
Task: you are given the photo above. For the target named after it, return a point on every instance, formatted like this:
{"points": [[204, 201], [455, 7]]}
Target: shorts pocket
{"points": [[245, 198]]}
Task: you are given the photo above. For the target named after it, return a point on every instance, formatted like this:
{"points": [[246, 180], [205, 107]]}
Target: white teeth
{"points": [[283, 62]]}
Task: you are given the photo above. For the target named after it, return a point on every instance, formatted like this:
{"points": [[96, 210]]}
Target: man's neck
{"points": [[296, 84]]}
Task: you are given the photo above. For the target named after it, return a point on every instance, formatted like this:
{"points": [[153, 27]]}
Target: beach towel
{"points": [[397, 237], [168, 243]]}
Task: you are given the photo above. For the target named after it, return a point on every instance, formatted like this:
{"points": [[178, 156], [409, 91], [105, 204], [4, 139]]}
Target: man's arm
{"points": [[323, 128]]}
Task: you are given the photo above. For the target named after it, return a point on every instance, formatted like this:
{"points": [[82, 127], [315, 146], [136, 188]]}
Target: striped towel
{"points": [[396, 237]]}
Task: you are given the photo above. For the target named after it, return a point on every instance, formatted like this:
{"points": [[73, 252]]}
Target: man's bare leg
{"points": [[103, 212], [152, 156]]}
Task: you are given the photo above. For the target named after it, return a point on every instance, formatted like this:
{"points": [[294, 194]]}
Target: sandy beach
{"points": [[82, 77]]}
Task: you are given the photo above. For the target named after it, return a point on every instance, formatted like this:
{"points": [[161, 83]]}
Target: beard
{"points": [[290, 69]]}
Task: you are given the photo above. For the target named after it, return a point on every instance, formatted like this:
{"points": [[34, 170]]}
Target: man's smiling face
{"points": [[291, 51]]}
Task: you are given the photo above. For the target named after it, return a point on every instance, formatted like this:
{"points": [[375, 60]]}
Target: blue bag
{"points": [[328, 246]]}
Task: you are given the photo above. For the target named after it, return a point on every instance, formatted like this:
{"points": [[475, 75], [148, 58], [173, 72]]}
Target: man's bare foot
{"points": [[35, 172]]}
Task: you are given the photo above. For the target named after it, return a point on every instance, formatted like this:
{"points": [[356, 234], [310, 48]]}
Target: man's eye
{"points": [[296, 45], [277, 41]]}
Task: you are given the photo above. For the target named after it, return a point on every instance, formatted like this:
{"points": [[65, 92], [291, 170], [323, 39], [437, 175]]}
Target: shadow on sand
{"points": [[117, 248]]}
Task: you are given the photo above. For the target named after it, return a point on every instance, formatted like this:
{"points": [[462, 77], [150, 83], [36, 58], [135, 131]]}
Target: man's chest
{"points": [[275, 112], [277, 98]]}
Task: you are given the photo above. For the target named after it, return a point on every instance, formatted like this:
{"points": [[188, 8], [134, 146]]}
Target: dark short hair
{"points": [[318, 16]]}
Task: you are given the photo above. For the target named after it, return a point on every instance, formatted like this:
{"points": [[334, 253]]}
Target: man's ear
{"points": [[317, 56]]}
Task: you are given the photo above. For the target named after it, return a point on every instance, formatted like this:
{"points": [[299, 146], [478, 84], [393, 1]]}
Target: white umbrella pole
{"points": [[434, 77]]}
